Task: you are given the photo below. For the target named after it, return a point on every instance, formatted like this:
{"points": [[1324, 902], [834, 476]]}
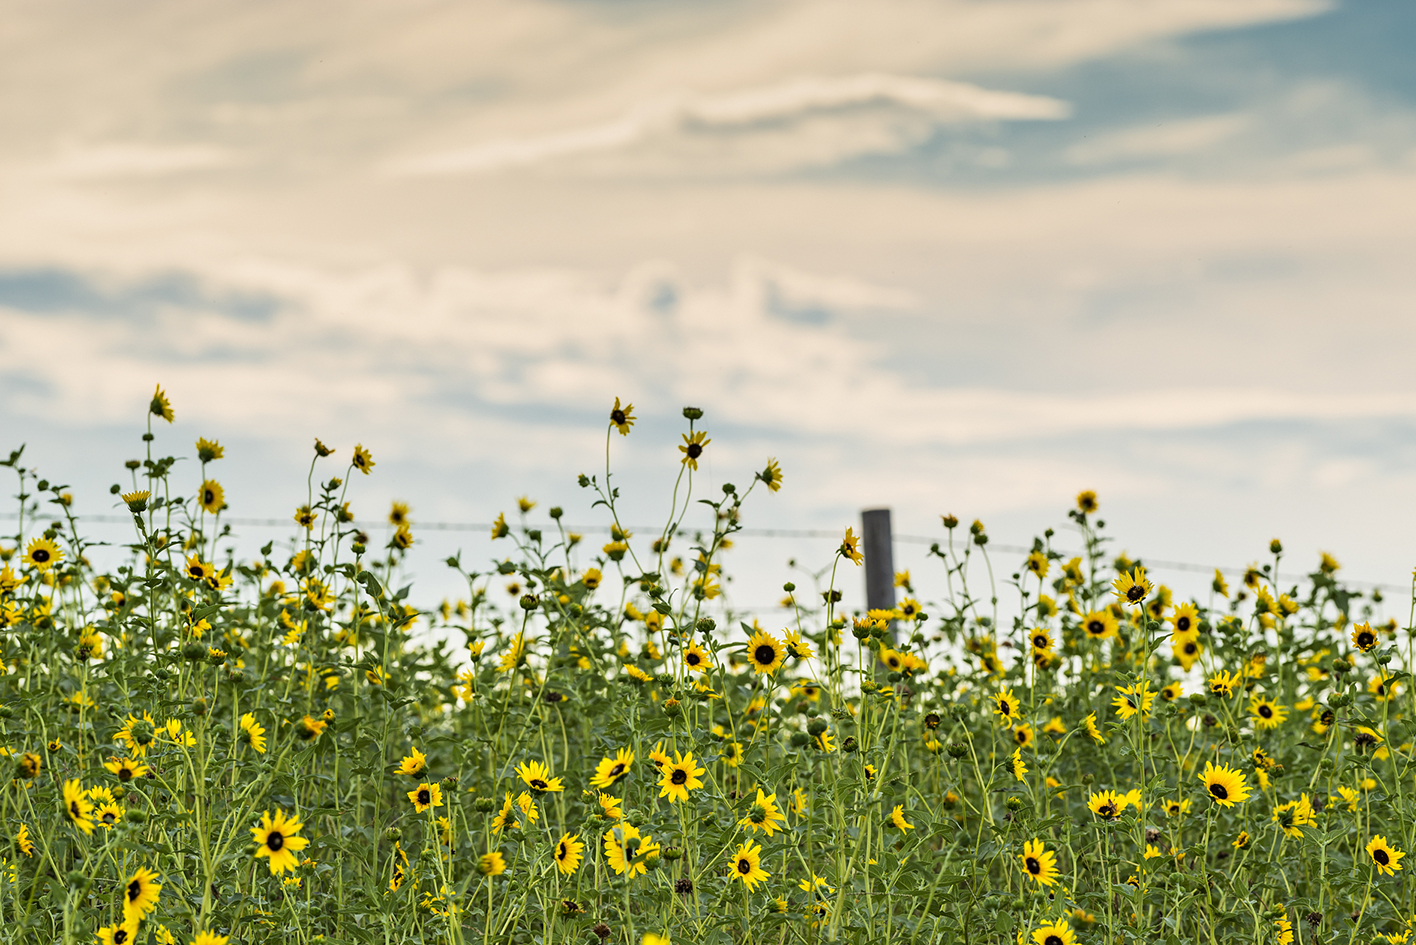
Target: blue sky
{"points": [[950, 257]]}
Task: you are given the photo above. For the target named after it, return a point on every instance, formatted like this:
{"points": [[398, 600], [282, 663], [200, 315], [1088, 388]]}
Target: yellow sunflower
{"points": [[42, 554], [538, 777], [140, 894], [692, 448], [1226, 786], [276, 838], [897, 819], [1039, 862], [764, 815], [1266, 712], [1054, 933], [569, 850], [491, 864], [696, 658], [850, 547], [746, 863], [77, 806], [1007, 707], [212, 498], [1099, 624], [124, 933], [622, 418], [1364, 637], [765, 652], [1385, 857], [426, 796], [363, 460], [626, 849], [611, 770], [680, 776], [1132, 587]]}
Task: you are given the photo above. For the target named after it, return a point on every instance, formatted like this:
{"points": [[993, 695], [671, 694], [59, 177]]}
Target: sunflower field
{"points": [[590, 746]]}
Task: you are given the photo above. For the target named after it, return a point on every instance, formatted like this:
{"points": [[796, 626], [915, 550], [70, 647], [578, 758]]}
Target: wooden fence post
{"points": [[879, 560]]}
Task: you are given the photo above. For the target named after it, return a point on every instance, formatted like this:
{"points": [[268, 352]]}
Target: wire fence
{"points": [[486, 527]]}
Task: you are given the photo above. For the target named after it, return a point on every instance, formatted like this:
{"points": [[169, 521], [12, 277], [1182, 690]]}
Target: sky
{"points": [[941, 257]]}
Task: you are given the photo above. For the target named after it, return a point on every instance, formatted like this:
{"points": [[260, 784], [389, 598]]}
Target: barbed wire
{"points": [[1152, 563]]}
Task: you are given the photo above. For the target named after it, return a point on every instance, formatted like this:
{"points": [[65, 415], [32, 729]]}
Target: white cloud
{"points": [[1166, 139], [805, 121]]}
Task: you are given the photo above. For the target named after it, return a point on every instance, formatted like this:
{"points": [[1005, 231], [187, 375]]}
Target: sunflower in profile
{"points": [[276, 838], [1364, 637], [765, 652], [1007, 707], [363, 460], [491, 864], [309, 728], [1039, 862], [850, 547], [426, 796], [1267, 713], [140, 894], [897, 819], [414, 765], [78, 807], [680, 776], [1089, 723], [746, 865], [1133, 699], [538, 777], [771, 476], [1099, 624], [1132, 587], [611, 770], [212, 498], [253, 732], [764, 815], [42, 554], [626, 849], [692, 448], [514, 656], [1226, 786], [1055, 933], [1294, 816], [569, 850], [622, 418], [696, 658], [1386, 858]]}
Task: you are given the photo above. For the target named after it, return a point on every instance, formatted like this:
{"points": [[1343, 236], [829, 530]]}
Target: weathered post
{"points": [[879, 559]]}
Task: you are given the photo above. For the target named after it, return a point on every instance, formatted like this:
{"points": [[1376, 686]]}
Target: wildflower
{"points": [[1364, 637], [1041, 640], [136, 500], [568, 854], [125, 769], [1134, 698], [491, 864], [208, 938], [625, 849], [1099, 624], [1267, 713], [1105, 804], [42, 554], [771, 476], [413, 765], [637, 674], [160, 406], [1019, 769], [747, 865], [212, 497], [651, 938], [1007, 707], [310, 728], [610, 770], [1132, 587], [897, 818], [426, 796], [276, 838], [140, 894], [1054, 933], [123, 933], [499, 527], [363, 460], [1172, 691], [764, 815], [692, 448], [1285, 930], [1241, 841], [108, 814], [622, 418], [305, 517], [797, 648], [591, 578], [1224, 683], [1386, 857], [850, 547], [538, 777], [1023, 736], [1038, 564], [1219, 585], [78, 807], [1055, 726], [1039, 862], [1294, 816], [1226, 786], [23, 843], [1187, 651], [513, 657], [680, 776], [765, 652], [695, 658], [1086, 502], [1089, 723]]}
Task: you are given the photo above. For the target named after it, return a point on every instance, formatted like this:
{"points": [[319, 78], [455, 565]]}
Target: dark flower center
{"points": [[744, 866], [208, 497], [125, 773], [120, 936], [425, 797], [617, 770], [1219, 791], [562, 852], [1040, 642], [694, 451], [765, 654], [617, 416], [135, 890], [1096, 628], [680, 776], [1191, 649], [1266, 711], [275, 841], [694, 659], [536, 784], [109, 817], [1135, 593], [40, 555], [1004, 708], [1107, 810], [1365, 640], [1182, 624], [1381, 857], [74, 809], [1052, 940], [1034, 867]]}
